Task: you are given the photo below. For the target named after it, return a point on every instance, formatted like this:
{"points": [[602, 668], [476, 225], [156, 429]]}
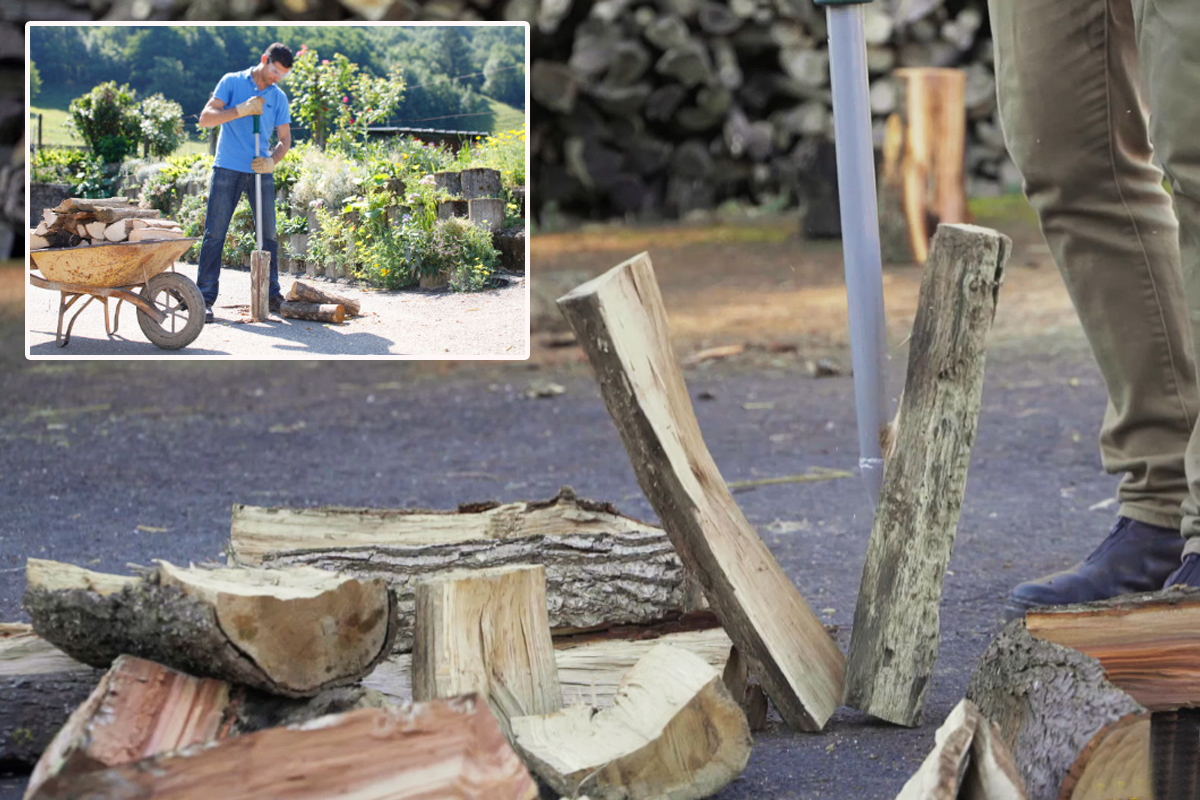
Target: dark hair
{"points": [[281, 54]]}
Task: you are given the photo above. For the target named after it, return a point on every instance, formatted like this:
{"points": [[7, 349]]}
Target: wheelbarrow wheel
{"points": [[180, 299]]}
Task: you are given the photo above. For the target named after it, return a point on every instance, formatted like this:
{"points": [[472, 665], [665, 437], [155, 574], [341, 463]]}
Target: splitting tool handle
{"points": [[258, 208]]}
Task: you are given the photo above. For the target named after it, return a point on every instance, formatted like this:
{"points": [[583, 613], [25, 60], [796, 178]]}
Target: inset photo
{"points": [[283, 191]]}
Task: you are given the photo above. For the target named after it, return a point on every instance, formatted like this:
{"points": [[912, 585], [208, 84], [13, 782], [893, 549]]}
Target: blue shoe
{"points": [[208, 315], [1188, 573], [1135, 557]]}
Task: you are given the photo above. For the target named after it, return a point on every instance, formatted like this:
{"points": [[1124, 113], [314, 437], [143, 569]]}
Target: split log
{"points": [[602, 568], [111, 214], [450, 749], [242, 625], [260, 278], [1116, 760], [39, 685], [37, 241], [894, 641], [308, 293], [95, 230], [155, 234], [313, 312], [588, 672], [487, 631], [139, 709], [673, 731], [92, 204], [118, 231], [747, 691], [620, 321], [968, 762], [166, 224], [1048, 702], [1148, 644]]}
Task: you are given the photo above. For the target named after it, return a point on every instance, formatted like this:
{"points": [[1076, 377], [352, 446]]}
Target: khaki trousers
{"points": [[1076, 80]]}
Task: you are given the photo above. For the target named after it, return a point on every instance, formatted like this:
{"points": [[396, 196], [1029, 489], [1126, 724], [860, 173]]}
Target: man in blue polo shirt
{"points": [[238, 98]]}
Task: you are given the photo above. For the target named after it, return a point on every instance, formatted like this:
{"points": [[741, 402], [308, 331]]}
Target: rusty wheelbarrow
{"points": [[170, 307]]}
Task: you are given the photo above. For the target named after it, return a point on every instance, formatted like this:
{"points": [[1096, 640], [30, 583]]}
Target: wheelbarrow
{"points": [[170, 307]]}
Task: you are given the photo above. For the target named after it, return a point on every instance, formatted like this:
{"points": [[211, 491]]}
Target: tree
{"points": [[336, 100], [105, 118], [504, 76], [161, 122], [454, 58], [35, 81]]}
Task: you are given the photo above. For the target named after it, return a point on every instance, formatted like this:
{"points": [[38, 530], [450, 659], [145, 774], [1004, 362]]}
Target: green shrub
{"points": [[82, 171], [167, 183], [504, 152], [106, 119], [161, 125], [328, 177], [460, 250]]}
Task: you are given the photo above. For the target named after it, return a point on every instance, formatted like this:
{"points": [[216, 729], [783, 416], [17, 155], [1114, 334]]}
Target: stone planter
{"points": [[511, 246], [480, 182], [450, 181], [453, 208], [487, 212]]}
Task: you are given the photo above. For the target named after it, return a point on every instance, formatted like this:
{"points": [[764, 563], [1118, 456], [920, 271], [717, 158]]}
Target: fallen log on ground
{"points": [[486, 631], [242, 625], [602, 568], [620, 321], [674, 731], [139, 709], [894, 641], [312, 294], [1048, 701], [312, 312], [444, 748], [39, 685]]}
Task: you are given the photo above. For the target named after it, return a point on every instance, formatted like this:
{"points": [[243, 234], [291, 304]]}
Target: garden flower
{"points": [[325, 62]]}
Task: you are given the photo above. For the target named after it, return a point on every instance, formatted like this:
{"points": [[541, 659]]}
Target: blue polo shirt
{"points": [[235, 145]]}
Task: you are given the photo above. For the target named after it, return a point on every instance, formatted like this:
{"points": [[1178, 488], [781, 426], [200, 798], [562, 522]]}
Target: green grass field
{"points": [[507, 117]]}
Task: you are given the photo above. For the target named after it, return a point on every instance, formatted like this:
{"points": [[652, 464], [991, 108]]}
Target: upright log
{"points": [[446, 748], [139, 709], [260, 276], [620, 321], [487, 631], [242, 625], [1048, 702], [39, 685], [894, 641]]}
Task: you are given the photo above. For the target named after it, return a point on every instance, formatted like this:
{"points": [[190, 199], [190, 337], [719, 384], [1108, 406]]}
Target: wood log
{"points": [[674, 731], [620, 321], [1116, 760], [111, 214], [37, 241], [747, 691], [1048, 702], [932, 164], [1148, 644], [118, 231], [968, 762], [487, 213], [39, 685], [307, 293], [553, 85], [139, 709], [589, 669], [480, 182], [164, 224], [95, 230], [487, 631], [76, 222], [242, 625], [602, 568], [155, 234], [313, 312], [92, 204], [894, 642], [260, 280], [444, 748]]}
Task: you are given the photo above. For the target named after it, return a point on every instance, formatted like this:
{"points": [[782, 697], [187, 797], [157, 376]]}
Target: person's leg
{"points": [[270, 241], [1068, 84], [223, 191], [1169, 43]]}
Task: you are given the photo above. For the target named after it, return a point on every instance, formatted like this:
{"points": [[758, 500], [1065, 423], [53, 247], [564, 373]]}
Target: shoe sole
{"points": [[1015, 609]]}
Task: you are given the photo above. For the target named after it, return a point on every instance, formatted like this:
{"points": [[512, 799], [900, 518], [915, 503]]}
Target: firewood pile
{"points": [[78, 222]]}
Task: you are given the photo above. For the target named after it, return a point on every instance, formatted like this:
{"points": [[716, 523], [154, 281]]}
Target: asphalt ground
{"points": [[114, 463]]}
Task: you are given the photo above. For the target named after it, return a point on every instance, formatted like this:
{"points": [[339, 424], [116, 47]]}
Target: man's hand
{"points": [[263, 166], [252, 106]]}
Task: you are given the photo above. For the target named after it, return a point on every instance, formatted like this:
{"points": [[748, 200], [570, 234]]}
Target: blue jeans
{"points": [[224, 192]]}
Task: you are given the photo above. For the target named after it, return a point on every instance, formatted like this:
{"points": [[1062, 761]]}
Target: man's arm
{"points": [[215, 113], [284, 132]]}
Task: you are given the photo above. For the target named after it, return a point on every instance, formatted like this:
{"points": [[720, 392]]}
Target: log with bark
{"points": [[486, 631], [139, 709], [39, 685], [313, 312], [620, 321], [673, 731], [894, 642], [444, 748], [1048, 702], [292, 631], [308, 293], [602, 568]]}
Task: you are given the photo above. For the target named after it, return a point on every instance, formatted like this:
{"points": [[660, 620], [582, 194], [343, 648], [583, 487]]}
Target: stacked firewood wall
{"points": [[661, 108]]}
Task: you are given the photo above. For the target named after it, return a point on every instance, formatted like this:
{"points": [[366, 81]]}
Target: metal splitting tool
{"points": [[860, 229]]}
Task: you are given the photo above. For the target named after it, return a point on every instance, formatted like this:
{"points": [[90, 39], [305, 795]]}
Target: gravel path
{"points": [[414, 323]]}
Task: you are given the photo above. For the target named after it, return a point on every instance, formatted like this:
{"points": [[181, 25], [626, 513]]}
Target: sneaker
{"points": [[1135, 557], [1188, 573], [208, 315]]}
